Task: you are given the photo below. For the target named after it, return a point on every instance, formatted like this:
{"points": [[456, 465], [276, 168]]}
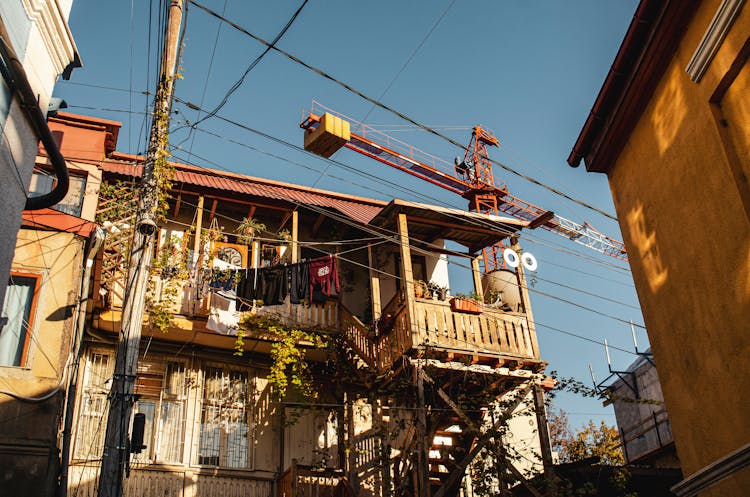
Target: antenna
{"points": [[609, 359], [593, 379]]}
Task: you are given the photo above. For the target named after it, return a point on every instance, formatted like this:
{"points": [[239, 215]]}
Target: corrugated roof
{"points": [[357, 208]]}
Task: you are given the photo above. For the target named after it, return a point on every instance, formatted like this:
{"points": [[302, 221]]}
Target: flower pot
{"points": [[469, 306]]}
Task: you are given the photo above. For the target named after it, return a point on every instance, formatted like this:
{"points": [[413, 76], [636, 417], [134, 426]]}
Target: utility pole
{"points": [[116, 446]]}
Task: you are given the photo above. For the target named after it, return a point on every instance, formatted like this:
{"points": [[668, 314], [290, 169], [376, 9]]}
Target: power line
{"points": [[379, 179], [347, 221], [397, 113], [238, 83]]}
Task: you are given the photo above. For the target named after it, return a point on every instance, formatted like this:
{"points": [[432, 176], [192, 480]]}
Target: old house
{"points": [[36, 46], [671, 130], [399, 381], [44, 311]]}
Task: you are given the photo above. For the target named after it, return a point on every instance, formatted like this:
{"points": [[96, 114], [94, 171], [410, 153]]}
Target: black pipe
{"points": [[15, 76]]}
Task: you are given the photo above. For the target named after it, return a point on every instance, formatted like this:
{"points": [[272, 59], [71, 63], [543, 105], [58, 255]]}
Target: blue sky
{"points": [[530, 71]]}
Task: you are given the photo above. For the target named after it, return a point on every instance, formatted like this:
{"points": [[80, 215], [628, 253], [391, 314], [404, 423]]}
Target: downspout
{"points": [[94, 244], [15, 77]]}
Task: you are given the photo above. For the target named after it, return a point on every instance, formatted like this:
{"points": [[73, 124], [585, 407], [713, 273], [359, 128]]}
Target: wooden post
{"points": [[116, 444], [477, 275], [198, 229], [407, 276], [295, 237], [525, 299], [374, 283], [423, 444], [545, 444]]}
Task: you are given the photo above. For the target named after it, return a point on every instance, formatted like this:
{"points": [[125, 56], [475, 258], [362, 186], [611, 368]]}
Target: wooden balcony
{"points": [[492, 334]]}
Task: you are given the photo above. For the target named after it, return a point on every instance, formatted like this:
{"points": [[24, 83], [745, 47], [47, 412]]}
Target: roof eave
{"points": [[646, 51]]}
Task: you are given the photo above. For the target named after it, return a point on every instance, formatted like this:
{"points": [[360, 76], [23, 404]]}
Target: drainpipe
{"points": [[15, 77], [94, 244]]}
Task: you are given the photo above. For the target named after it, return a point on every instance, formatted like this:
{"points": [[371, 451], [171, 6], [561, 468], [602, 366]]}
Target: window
{"points": [[43, 181], [225, 435], [161, 386], [92, 413], [19, 309]]}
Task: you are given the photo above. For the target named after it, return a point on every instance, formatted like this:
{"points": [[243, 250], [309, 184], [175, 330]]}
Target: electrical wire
{"points": [[399, 114], [241, 80], [378, 179]]}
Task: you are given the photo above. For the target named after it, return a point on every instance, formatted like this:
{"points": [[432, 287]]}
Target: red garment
{"points": [[323, 272]]}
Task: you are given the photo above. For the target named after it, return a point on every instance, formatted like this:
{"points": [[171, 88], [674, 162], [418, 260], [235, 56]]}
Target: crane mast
{"points": [[326, 131]]}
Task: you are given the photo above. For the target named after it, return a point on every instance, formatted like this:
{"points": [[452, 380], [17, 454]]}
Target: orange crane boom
{"points": [[472, 178]]}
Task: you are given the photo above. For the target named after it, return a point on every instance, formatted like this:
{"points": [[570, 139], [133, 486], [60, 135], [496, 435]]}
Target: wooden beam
{"points": [[198, 229], [374, 283], [317, 224], [295, 236], [284, 220], [460, 469], [213, 211], [423, 445], [526, 299], [501, 232], [477, 276], [177, 205], [446, 398]]}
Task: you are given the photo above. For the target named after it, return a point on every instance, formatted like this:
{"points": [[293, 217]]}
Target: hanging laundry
{"points": [[323, 277], [224, 317], [275, 285], [223, 279], [299, 282], [249, 289]]}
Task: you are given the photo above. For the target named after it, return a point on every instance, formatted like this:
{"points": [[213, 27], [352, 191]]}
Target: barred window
{"points": [[161, 386], [92, 414], [226, 419]]}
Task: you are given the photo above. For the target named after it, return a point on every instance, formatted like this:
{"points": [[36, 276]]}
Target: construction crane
{"points": [[326, 131]]}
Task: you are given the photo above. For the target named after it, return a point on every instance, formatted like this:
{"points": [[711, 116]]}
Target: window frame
{"points": [[227, 370], [32, 314]]}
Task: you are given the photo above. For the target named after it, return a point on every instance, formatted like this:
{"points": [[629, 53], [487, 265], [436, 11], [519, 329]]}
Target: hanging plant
{"points": [[284, 236], [247, 230]]}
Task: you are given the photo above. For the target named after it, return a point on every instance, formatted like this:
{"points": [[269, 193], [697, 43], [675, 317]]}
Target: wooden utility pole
{"points": [[116, 446]]}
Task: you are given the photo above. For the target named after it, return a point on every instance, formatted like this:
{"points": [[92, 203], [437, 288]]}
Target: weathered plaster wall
{"points": [[28, 435], [688, 236]]}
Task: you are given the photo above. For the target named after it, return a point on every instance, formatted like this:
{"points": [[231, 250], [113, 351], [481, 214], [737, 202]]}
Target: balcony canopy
{"points": [[428, 223]]}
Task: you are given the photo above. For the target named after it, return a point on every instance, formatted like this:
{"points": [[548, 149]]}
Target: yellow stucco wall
{"points": [[688, 238], [28, 433]]}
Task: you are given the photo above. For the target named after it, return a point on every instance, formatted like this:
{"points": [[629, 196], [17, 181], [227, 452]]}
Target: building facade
{"points": [[399, 385], [671, 129], [35, 33], [45, 307]]}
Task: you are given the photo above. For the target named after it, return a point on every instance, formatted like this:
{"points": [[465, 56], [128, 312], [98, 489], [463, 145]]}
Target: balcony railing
{"points": [[305, 481]]}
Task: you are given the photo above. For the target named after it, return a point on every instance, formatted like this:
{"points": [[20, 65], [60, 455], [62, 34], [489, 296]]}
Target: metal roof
{"points": [[357, 208], [430, 222]]}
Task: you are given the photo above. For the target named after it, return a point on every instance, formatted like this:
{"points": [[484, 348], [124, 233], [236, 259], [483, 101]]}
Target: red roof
{"points": [[357, 208], [59, 221]]}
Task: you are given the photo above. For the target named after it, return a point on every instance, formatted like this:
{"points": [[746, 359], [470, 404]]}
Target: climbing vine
{"points": [[289, 365]]}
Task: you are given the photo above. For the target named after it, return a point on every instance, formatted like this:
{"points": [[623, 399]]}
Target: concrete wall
{"points": [[38, 32], [28, 432], [688, 237]]}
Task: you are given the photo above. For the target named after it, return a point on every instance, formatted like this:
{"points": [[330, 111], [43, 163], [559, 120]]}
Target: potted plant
{"points": [[420, 289], [284, 236], [462, 303], [438, 290], [247, 230]]}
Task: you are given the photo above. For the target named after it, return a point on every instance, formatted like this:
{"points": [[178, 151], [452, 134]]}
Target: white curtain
{"points": [[18, 298]]}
